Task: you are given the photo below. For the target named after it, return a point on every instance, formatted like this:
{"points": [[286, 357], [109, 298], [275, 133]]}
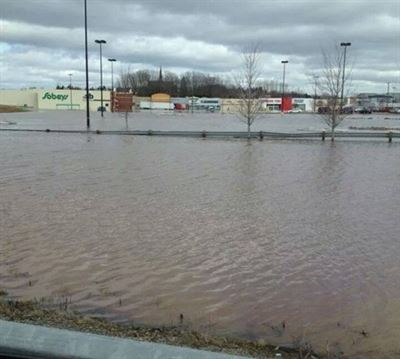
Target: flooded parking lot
{"points": [[159, 120], [236, 236]]}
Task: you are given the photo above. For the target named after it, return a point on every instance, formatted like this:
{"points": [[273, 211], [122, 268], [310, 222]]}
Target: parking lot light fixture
{"points": [[284, 62], [101, 42], [345, 45], [112, 73], [70, 90], [86, 68]]}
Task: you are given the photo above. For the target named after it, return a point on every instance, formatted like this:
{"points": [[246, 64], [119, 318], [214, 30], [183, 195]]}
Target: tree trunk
{"points": [[333, 134], [248, 130]]}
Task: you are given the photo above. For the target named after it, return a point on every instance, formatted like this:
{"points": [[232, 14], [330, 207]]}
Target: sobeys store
{"points": [[50, 99]]}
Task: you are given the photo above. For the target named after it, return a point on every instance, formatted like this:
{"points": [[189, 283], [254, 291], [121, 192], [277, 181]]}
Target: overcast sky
{"points": [[42, 41]]}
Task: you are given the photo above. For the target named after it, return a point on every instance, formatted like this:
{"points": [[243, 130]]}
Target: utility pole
{"points": [[112, 83], [112, 73], [344, 44], [316, 77], [70, 90], [191, 107], [387, 96], [101, 42], [284, 62], [87, 70]]}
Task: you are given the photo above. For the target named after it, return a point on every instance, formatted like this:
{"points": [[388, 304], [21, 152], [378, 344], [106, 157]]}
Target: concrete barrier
{"points": [[223, 134], [32, 341]]}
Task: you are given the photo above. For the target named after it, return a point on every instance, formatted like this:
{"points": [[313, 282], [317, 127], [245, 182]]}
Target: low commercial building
{"points": [[378, 102], [303, 104], [230, 105], [271, 104], [205, 104], [22, 98], [50, 99], [72, 100], [158, 101], [289, 104]]}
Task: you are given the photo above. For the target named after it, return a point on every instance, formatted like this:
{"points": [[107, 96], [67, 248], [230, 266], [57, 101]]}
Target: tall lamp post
{"points": [[101, 42], [70, 90], [387, 96], [284, 62], [87, 69], [344, 44], [112, 83], [316, 77], [191, 107], [112, 73]]}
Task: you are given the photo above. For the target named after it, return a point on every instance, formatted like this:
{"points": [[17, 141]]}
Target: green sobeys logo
{"points": [[53, 96]]}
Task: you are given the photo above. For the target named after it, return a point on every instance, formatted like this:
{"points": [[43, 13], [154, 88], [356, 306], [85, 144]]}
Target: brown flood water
{"points": [[236, 237]]}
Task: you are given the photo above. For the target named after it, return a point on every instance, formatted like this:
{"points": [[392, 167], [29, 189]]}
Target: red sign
{"points": [[121, 102]]}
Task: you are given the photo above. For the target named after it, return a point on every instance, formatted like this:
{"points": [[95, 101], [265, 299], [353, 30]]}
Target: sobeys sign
{"points": [[53, 96]]}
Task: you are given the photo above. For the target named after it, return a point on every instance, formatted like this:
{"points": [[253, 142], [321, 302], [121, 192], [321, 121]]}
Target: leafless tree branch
{"points": [[331, 82], [247, 81]]}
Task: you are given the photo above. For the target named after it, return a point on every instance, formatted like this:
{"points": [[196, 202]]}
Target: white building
{"points": [[42, 99]]}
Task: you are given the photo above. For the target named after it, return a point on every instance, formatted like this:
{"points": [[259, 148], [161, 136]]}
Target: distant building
{"points": [[303, 104], [51, 99], [274, 104], [158, 101], [205, 104], [271, 104], [230, 105], [377, 101]]}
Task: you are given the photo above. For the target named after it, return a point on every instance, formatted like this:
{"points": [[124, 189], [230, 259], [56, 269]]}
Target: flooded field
{"points": [[237, 237]]}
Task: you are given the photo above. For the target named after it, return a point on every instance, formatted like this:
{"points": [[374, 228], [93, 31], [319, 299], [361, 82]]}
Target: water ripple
{"points": [[236, 237]]}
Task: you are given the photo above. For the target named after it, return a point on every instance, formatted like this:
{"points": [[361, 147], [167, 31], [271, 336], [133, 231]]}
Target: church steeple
{"points": [[160, 75]]}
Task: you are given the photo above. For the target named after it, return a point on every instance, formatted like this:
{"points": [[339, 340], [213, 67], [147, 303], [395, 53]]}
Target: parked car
{"points": [[323, 109], [344, 110], [347, 109], [362, 110], [295, 110]]}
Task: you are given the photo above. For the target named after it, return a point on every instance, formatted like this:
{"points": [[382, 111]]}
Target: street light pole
{"points": [[87, 69], [344, 44], [101, 42], [284, 62], [112, 73], [316, 77], [70, 89], [191, 107], [112, 83]]}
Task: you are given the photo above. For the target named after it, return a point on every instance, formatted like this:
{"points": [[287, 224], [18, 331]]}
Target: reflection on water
{"points": [[236, 236]]}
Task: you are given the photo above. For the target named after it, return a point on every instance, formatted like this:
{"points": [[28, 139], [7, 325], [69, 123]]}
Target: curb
{"points": [[33, 341]]}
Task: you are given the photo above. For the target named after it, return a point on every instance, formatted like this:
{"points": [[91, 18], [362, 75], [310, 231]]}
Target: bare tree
{"points": [[249, 92], [314, 86], [123, 81], [331, 83]]}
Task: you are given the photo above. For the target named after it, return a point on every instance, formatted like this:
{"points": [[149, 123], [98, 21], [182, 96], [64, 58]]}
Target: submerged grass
{"points": [[34, 313]]}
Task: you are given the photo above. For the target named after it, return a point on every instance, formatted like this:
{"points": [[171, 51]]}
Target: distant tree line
{"points": [[198, 84], [146, 82], [68, 87]]}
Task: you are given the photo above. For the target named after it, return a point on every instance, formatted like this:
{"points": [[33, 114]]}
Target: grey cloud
{"points": [[209, 35]]}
